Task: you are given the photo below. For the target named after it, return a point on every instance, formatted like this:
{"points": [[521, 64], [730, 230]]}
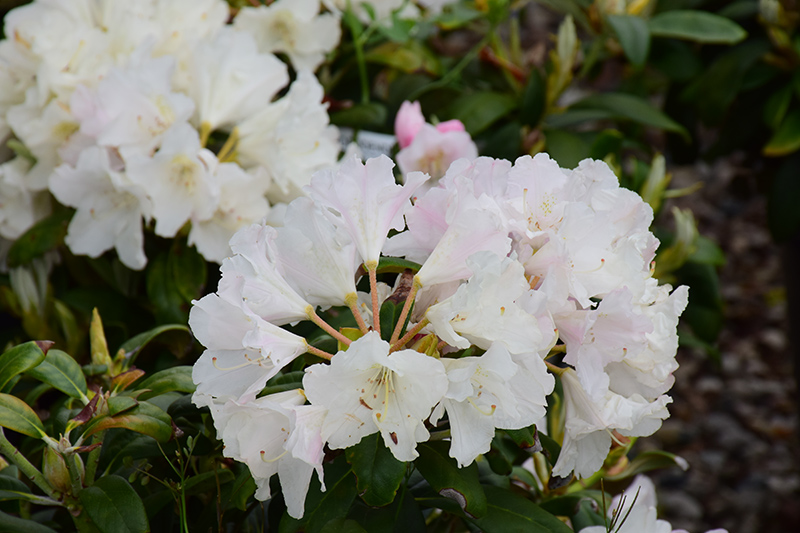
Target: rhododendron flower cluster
{"points": [[467, 300], [160, 111]]}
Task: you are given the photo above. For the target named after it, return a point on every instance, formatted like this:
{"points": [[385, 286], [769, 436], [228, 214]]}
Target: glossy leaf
{"points": [[114, 507], [187, 268], [378, 473], [62, 372], [12, 488], [42, 237], [145, 418], [508, 511], [526, 438], [568, 504], [322, 507], [633, 35], [20, 525], [396, 265], [630, 107], [361, 116], [162, 291], [480, 110], [698, 26], [19, 359], [120, 404], [649, 460], [458, 484], [534, 99], [787, 138], [177, 379], [18, 416], [134, 346]]}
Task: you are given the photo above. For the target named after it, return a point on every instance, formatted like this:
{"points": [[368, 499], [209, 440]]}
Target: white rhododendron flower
{"points": [[365, 390]]}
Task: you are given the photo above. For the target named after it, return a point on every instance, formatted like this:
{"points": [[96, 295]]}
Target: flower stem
{"points": [[319, 353], [315, 318], [409, 335], [352, 302], [12, 454], [404, 314], [372, 269]]}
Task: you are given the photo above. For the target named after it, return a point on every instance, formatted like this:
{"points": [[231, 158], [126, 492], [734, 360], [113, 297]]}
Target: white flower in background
{"points": [[109, 208], [294, 27], [229, 80], [367, 389], [634, 511], [20, 207], [180, 179], [291, 138], [275, 434]]}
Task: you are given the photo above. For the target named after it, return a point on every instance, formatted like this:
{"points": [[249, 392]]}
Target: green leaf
{"points": [[633, 35], [480, 110], [18, 416], [783, 216], [177, 378], [408, 57], [389, 315], [526, 438], [509, 512], [120, 404], [630, 107], [787, 138], [322, 507], [371, 116], [62, 372], [606, 142], [19, 359], [283, 382], [343, 525], [776, 107], [42, 237], [566, 147], [444, 476], [457, 16], [378, 473], [145, 418], [13, 524], [207, 481], [534, 99], [114, 507], [237, 494], [396, 265], [162, 292], [705, 310], [649, 460], [698, 26], [134, 346], [187, 269], [12, 488], [568, 504], [707, 252]]}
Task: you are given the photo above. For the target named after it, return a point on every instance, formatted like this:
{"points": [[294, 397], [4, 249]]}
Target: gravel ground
{"points": [[736, 422]]}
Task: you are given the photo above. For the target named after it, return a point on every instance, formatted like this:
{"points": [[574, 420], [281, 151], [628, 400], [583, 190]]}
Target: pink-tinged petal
{"points": [[450, 125], [408, 122], [365, 200]]}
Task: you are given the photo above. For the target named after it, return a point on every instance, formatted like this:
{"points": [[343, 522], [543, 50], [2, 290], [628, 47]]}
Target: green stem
{"points": [[74, 473], [13, 455]]}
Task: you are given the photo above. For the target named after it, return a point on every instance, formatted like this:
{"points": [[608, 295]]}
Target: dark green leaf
{"points": [[705, 310], [480, 110], [343, 525], [61, 371], [361, 116], [633, 35], [133, 346], [458, 484], [120, 404], [42, 237], [649, 460], [509, 513], [322, 507], [207, 481], [17, 415], [237, 494], [787, 138], [707, 252], [402, 516], [526, 438], [177, 378], [698, 26], [566, 147], [114, 507], [573, 117], [776, 107], [187, 269], [784, 195], [534, 99], [568, 504], [552, 448], [588, 514], [378, 473], [145, 418], [13, 489], [162, 292], [628, 106], [606, 142], [13, 524], [19, 359]]}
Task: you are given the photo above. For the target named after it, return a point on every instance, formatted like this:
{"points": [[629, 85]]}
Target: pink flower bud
{"points": [[408, 122]]}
